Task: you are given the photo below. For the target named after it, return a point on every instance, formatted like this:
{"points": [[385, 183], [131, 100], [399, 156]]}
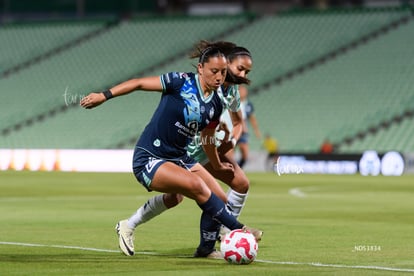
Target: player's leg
{"points": [[211, 182], [145, 166], [160, 203], [170, 178], [209, 228], [157, 205], [238, 183], [244, 149], [167, 177], [152, 208]]}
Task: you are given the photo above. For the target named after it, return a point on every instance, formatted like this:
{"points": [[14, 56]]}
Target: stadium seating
{"points": [[397, 137], [280, 43], [300, 40], [21, 43], [93, 65], [347, 93]]}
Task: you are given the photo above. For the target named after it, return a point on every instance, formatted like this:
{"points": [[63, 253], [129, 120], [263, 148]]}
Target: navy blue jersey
{"points": [[181, 113]]}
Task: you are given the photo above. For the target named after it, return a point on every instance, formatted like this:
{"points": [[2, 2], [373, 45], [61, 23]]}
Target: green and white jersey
{"points": [[230, 98]]}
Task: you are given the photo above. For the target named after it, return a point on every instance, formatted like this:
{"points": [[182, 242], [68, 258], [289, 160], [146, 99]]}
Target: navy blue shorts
{"points": [[244, 138], [145, 165]]}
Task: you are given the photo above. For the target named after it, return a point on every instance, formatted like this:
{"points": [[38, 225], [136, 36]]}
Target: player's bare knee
{"points": [[171, 200], [179, 198], [241, 184], [198, 187]]}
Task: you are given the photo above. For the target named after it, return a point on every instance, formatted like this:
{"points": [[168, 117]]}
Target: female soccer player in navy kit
{"points": [[239, 65], [189, 103]]}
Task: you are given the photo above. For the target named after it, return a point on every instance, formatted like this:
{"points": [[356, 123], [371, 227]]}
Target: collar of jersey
{"points": [[200, 90]]}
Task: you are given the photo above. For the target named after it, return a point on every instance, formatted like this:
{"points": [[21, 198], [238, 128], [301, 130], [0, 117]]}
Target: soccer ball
{"points": [[239, 247]]}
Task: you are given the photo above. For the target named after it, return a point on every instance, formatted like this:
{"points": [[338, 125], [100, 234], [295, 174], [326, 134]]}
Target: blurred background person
{"points": [[248, 118], [271, 146], [326, 147]]}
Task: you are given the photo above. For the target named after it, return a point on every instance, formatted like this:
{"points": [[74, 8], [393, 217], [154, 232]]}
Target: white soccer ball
{"points": [[239, 247]]}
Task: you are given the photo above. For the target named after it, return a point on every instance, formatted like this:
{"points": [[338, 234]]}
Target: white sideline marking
{"points": [[72, 247], [341, 266], [257, 260], [297, 192], [58, 246]]}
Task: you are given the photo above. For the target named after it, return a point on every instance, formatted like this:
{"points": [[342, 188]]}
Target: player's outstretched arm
{"points": [[255, 126], [145, 84]]}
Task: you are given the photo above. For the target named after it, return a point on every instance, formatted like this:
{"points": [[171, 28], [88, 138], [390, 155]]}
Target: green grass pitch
{"points": [[51, 223]]}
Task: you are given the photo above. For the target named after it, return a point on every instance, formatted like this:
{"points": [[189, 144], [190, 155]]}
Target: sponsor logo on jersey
{"points": [[157, 143], [189, 131]]}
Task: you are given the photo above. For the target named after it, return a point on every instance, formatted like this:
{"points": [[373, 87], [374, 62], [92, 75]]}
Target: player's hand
{"points": [[92, 100], [225, 167]]}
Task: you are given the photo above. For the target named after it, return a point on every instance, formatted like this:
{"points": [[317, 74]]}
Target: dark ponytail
{"points": [[234, 79], [204, 49]]}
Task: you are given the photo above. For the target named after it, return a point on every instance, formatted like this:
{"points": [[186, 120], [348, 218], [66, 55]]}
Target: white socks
{"points": [[155, 206], [152, 208], [235, 202]]}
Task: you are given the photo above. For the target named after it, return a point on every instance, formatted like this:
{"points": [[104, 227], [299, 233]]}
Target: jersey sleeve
{"points": [[234, 103], [172, 82], [230, 98]]}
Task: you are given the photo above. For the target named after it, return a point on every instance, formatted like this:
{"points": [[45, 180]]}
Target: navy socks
{"points": [[214, 214], [216, 209]]}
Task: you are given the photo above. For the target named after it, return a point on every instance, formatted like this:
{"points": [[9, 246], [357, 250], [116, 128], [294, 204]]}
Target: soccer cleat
{"points": [[210, 254], [215, 255], [256, 232], [126, 237]]}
